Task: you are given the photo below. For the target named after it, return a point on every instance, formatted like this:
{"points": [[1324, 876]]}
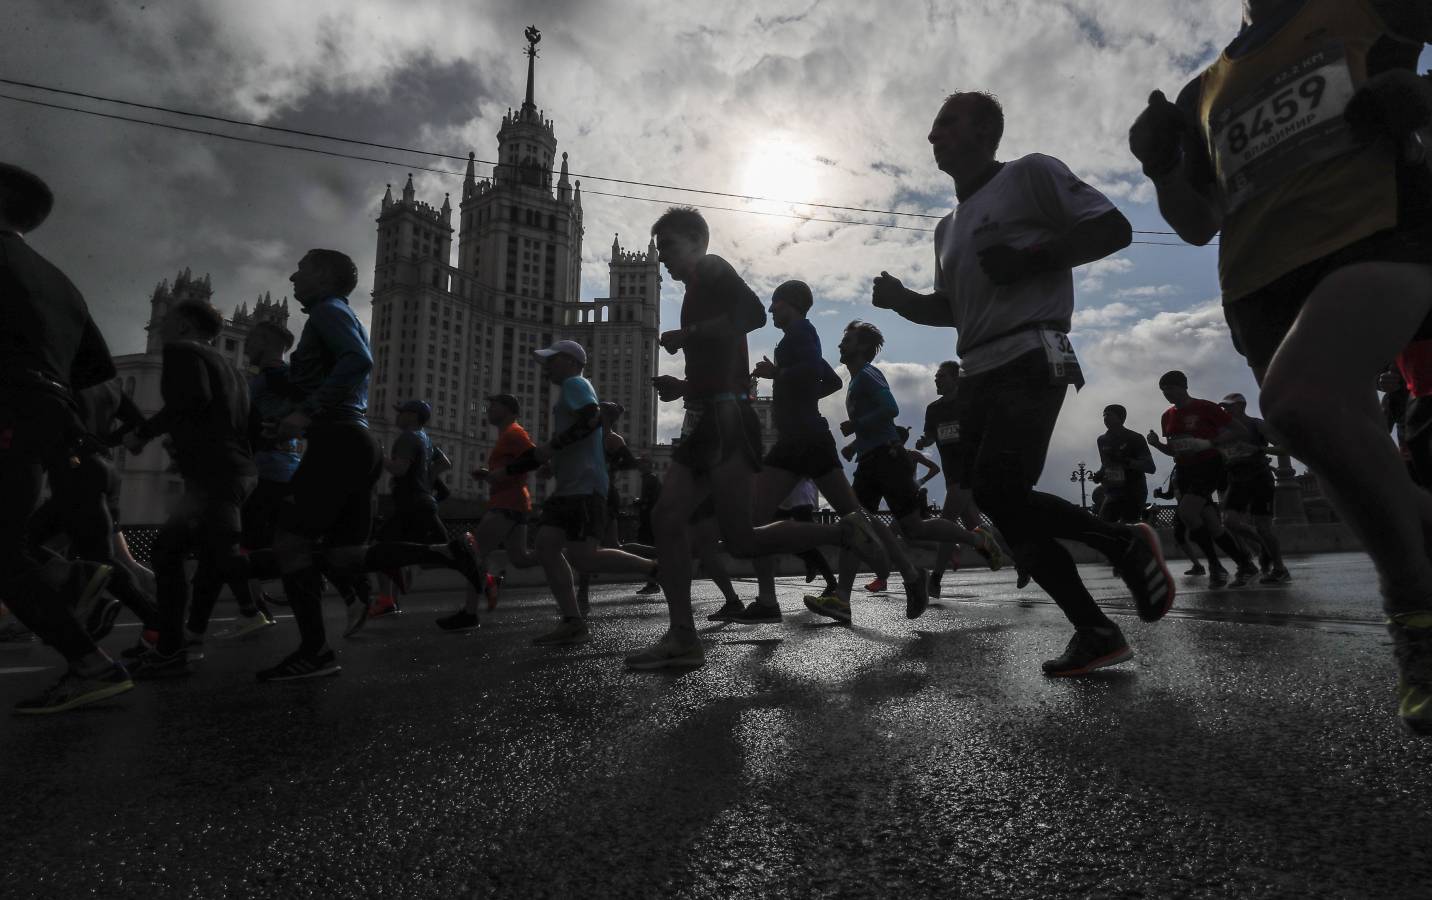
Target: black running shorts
{"points": [[1251, 493], [719, 431], [809, 456], [414, 523], [1201, 479], [887, 473], [580, 518]]}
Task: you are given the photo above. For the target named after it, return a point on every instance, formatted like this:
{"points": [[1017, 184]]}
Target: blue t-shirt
{"points": [[872, 409], [331, 363], [581, 467], [803, 377], [269, 402]]}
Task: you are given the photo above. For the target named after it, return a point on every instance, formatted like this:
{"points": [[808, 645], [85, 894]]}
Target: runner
{"points": [[1180, 531], [1124, 461], [1003, 277], [574, 516], [1197, 431], [1251, 486], [332, 498], [206, 415], [722, 439], [1323, 254], [619, 459], [414, 464], [799, 506], [509, 505], [49, 347], [650, 492]]}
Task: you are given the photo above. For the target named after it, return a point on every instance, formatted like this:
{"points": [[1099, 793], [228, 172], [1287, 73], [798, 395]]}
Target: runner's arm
{"points": [[932, 469], [184, 385], [922, 309], [1187, 194], [441, 463], [588, 420]]}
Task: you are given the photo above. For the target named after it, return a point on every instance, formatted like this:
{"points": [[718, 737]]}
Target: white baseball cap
{"points": [[1232, 399], [570, 348]]}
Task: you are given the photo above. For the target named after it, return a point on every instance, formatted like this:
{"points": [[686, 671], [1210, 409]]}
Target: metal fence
{"points": [[141, 537]]}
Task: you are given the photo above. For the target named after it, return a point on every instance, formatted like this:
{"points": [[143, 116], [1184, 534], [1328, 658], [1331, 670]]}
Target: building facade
{"points": [[453, 334]]}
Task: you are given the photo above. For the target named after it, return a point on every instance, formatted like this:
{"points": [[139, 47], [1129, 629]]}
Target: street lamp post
{"points": [[1081, 475]]}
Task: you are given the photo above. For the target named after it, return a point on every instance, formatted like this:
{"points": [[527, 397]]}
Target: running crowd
{"points": [[1304, 145]]}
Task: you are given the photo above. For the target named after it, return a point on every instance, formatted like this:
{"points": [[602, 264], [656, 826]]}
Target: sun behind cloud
{"points": [[780, 168]]}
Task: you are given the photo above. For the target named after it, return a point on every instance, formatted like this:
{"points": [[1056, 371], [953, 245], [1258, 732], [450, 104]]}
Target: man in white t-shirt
{"points": [[1003, 278]]}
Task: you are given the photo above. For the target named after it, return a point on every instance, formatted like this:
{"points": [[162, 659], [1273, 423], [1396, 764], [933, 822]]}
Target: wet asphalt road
{"points": [[1249, 750]]}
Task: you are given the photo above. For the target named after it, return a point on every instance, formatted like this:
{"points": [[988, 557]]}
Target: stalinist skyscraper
{"points": [[452, 335]]}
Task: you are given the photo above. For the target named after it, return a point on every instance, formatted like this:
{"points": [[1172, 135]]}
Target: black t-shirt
{"points": [[942, 424], [206, 413], [45, 327], [1245, 458], [1123, 456], [416, 484], [716, 363]]}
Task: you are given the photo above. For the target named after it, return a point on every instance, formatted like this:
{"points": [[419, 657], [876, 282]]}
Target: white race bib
{"points": [[948, 433], [1184, 445], [1114, 477], [1059, 353], [1292, 120]]}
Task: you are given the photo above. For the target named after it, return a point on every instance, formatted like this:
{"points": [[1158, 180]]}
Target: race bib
{"points": [[948, 433], [1184, 445], [1059, 354], [1114, 477], [1291, 121]]}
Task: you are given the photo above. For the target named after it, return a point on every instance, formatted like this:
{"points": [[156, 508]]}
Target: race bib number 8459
{"points": [[1292, 120]]}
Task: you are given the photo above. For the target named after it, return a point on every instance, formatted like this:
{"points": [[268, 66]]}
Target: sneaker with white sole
{"points": [[669, 653], [246, 625], [832, 606], [299, 665], [75, 689]]}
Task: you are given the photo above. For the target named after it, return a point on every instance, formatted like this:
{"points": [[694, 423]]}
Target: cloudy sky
{"points": [[802, 100]]}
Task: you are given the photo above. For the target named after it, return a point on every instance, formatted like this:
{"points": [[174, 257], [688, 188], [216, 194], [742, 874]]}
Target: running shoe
{"points": [[383, 606], [464, 559], [1217, 577], [989, 548], [730, 611], [1265, 561], [357, 613], [462, 620], [758, 613], [148, 640], [1244, 575], [669, 653], [832, 606], [651, 587], [933, 587], [14, 634], [1197, 569], [569, 631], [857, 533], [1146, 575], [301, 664], [246, 625], [194, 646], [159, 665], [1278, 575], [877, 585], [98, 617], [1022, 581], [75, 689], [1412, 646], [1089, 649], [917, 594]]}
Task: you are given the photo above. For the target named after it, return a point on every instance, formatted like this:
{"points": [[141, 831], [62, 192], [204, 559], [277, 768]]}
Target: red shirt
{"points": [[511, 492], [1195, 419], [1415, 364], [719, 365]]}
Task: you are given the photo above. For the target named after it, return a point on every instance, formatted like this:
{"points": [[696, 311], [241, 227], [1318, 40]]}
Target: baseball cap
{"points": [[422, 408], [570, 348], [27, 198], [1232, 399], [506, 400]]}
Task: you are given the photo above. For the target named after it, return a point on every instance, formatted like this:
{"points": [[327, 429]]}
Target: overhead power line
{"points": [[446, 172]]}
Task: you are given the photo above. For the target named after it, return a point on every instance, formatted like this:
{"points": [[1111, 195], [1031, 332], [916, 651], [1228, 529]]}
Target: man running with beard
{"points": [[721, 451], [1251, 486], [1305, 146], [1197, 430], [1003, 278], [1124, 463], [206, 415], [332, 503], [509, 504], [804, 450], [49, 347]]}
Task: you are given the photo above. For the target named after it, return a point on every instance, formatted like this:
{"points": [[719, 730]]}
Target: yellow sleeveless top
{"points": [[1294, 185]]}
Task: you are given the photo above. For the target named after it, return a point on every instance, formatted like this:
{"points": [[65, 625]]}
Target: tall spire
{"points": [[408, 189], [469, 181], [534, 37], [564, 184]]}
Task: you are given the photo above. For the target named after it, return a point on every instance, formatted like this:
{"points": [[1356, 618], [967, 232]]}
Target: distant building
{"points": [[147, 487]]}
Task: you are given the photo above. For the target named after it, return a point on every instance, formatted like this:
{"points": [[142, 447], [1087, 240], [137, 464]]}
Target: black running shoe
{"points": [[158, 665], [464, 560], [1146, 574], [1217, 577], [1244, 575], [757, 613], [1089, 649], [729, 612], [462, 620], [301, 664], [917, 594], [1022, 581]]}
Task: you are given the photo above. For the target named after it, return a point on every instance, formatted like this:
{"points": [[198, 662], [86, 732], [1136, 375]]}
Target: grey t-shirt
{"points": [[1030, 201]]}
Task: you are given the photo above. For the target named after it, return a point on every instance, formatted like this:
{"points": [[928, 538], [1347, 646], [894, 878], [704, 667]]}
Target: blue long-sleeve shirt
{"points": [[331, 364], [872, 409], [803, 377]]}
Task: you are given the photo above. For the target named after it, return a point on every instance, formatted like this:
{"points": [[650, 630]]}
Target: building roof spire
{"points": [[534, 37]]}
